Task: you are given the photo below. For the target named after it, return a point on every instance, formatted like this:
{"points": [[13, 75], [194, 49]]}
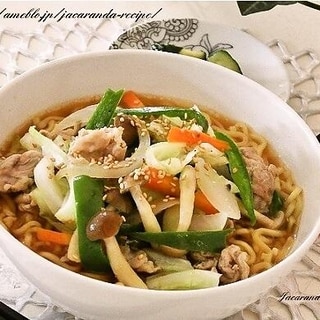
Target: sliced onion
{"points": [[208, 222], [49, 148], [187, 182], [214, 188], [162, 204], [67, 211], [122, 168], [80, 116]]}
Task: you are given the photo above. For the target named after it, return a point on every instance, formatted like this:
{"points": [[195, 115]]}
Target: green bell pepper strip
{"points": [[105, 110], [88, 194], [88, 191], [211, 241], [183, 113], [276, 204], [240, 175], [108, 108]]}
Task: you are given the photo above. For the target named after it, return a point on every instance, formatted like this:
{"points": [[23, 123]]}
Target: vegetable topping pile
{"points": [[154, 183]]}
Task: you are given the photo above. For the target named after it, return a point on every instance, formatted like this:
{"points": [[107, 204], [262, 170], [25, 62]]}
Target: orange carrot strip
{"points": [[53, 236], [192, 137], [161, 182], [131, 100], [169, 185], [201, 202]]}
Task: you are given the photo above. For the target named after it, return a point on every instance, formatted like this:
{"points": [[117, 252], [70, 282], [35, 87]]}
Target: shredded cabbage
{"points": [[184, 280], [171, 157], [37, 196], [212, 155], [51, 190], [167, 263]]}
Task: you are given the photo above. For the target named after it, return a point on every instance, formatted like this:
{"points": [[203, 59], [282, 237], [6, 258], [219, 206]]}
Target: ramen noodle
{"points": [[148, 192]]}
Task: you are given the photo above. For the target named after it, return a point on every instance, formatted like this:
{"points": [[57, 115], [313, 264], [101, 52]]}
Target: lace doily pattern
{"points": [[303, 68], [19, 52]]}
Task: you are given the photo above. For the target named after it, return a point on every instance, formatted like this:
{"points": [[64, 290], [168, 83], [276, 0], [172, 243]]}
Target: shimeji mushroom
{"points": [[105, 226]]}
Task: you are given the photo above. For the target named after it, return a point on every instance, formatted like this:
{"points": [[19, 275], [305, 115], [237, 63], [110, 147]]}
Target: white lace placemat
{"points": [[296, 297], [303, 68]]}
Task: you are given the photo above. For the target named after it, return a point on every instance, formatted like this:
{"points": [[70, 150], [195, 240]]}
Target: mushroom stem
{"points": [[148, 218], [120, 265]]}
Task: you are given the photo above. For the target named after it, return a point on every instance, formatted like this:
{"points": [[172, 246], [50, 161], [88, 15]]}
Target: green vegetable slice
{"points": [[211, 241], [168, 264], [276, 204], [105, 110], [179, 50], [88, 194], [240, 175], [183, 113], [184, 280], [224, 59], [221, 57], [88, 191]]}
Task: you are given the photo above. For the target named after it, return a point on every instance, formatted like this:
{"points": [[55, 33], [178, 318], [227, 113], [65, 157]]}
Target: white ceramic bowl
{"points": [[175, 76]]}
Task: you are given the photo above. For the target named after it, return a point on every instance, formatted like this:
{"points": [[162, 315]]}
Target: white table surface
{"points": [[296, 25]]}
